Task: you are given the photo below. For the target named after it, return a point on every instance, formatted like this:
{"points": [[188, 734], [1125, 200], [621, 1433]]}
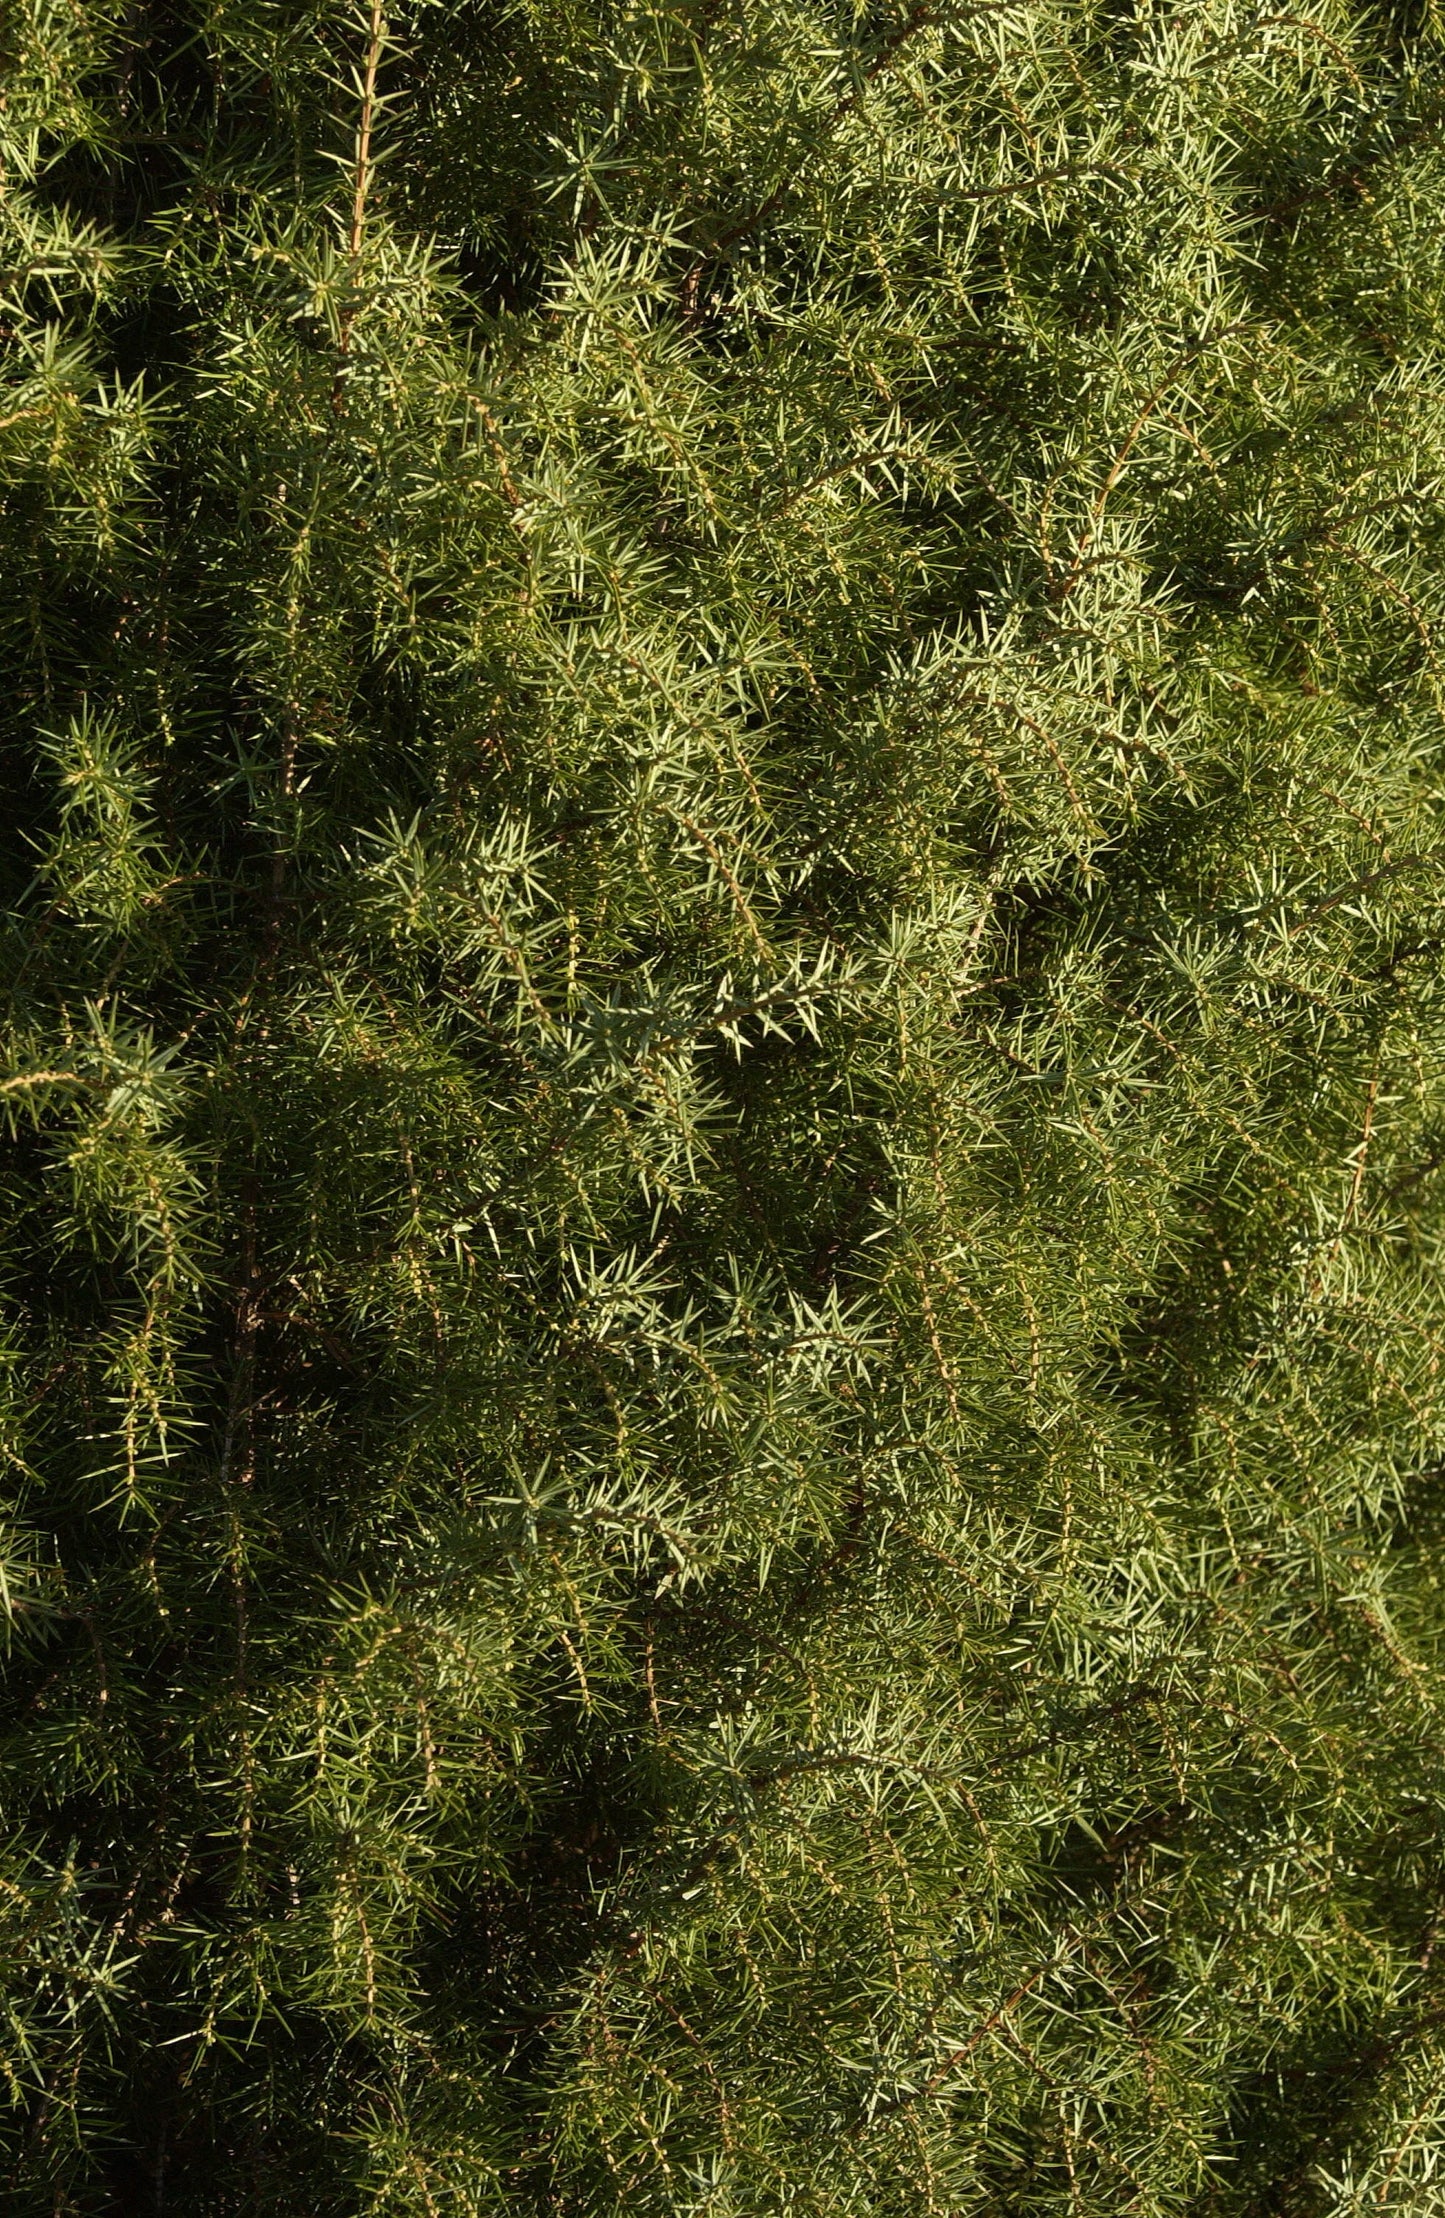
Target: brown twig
{"points": [[364, 165], [361, 187]]}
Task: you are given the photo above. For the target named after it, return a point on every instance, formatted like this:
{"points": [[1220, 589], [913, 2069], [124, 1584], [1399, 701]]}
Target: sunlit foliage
{"points": [[724, 1076]]}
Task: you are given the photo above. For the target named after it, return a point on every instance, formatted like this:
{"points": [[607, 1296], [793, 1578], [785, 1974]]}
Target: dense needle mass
{"points": [[725, 1078]]}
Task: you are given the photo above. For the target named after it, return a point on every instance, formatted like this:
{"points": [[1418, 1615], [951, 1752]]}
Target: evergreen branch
{"points": [[1120, 462], [362, 174], [925, 16], [512, 1684]]}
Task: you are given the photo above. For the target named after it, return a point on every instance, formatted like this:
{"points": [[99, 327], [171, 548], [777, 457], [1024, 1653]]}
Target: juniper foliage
{"points": [[723, 1063]]}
